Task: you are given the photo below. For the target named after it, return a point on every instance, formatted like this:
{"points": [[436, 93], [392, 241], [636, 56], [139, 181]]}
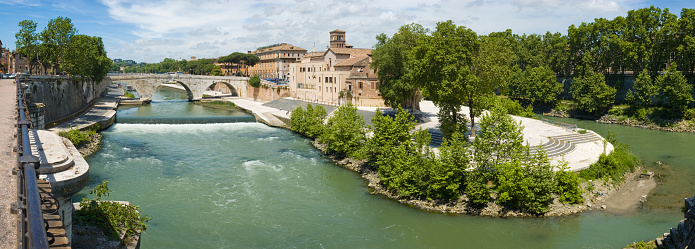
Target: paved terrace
{"points": [[561, 144]]}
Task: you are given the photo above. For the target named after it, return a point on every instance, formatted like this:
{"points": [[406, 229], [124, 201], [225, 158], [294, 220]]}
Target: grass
{"points": [[614, 165]]}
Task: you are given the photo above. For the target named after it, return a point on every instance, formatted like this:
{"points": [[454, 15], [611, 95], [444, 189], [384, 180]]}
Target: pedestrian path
{"points": [[8, 182], [103, 112]]}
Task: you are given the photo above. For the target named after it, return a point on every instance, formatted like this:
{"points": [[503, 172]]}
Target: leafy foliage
{"points": [[537, 85], [527, 185], [614, 165], [676, 90], [309, 122], [76, 136], [644, 90], [255, 81], [116, 218], [442, 62], [345, 130], [388, 133], [592, 94], [568, 189], [390, 60], [86, 56]]}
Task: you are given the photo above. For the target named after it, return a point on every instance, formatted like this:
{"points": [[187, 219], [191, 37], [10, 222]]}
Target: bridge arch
{"points": [[195, 85], [232, 90]]}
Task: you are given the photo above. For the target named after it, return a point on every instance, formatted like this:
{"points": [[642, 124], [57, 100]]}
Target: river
{"points": [[247, 185]]}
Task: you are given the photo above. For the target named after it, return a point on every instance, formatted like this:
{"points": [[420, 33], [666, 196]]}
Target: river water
{"points": [[247, 185]]}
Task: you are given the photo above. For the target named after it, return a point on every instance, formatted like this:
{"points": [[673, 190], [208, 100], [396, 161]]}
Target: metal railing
{"points": [[32, 231]]}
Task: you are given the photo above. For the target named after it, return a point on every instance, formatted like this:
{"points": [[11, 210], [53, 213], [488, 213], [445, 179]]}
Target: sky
{"points": [[151, 30]]}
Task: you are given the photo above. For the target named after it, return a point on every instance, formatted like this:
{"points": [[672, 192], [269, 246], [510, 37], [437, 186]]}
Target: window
{"points": [[360, 85]]}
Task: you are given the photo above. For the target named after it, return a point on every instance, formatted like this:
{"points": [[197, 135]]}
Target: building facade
{"points": [[337, 75], [275, 60]]}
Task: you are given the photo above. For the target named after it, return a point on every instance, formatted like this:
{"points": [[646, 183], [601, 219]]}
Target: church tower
{"points": [[337, 39]]}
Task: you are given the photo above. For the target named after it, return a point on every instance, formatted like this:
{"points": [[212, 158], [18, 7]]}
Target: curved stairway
{"points": [[564, 144]]}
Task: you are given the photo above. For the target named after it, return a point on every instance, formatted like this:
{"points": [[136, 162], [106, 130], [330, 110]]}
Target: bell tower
{"points": [[337, 39]]}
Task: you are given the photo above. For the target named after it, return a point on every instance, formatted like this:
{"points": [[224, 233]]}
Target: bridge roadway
{"points": [[195, 85], [8, 182]]}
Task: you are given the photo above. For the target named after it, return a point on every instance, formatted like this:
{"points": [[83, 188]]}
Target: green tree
{"points": [[255, 81], [446, 175], [345, 131], [390, 61], [644, 90], [543, 86], [527, 185], [442, 63], [309, 122], [500, 139], [591, 93], [216, 71], [493, 65], [27, 42], [388, 133], [86, 56], [57, 36], [677, 91]]}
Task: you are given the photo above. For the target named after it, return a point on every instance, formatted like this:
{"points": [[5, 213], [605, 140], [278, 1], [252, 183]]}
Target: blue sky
{"points": [[149, 31]]}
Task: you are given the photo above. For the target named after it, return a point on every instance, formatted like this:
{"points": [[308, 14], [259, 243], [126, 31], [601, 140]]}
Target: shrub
{"points": [[309, 122], [641, 114], [567, 187], [76, 136], [689, 114], [389, 132], [345, 130], [115, 218], [255, 81], [527, 185], [446, 175], [476, 187], [592, 94], [614, 165]]}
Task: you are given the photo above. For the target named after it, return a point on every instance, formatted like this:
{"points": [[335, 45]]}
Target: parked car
{"points": [[12, 76], [7, 76]]}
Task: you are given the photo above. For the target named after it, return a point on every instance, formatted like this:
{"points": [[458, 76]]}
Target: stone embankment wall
{"points": [[267, 93], [683, 235], [62, 97]]}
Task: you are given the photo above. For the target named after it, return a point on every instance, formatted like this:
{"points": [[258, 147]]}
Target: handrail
{"points": [[32, 233]]}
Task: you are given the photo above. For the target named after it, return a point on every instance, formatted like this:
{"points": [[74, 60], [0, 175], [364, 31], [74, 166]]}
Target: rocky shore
{"points": [[596, 194], [92, 146]]}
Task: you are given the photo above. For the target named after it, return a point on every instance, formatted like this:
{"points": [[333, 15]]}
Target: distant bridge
{"points": [[195, 85]]}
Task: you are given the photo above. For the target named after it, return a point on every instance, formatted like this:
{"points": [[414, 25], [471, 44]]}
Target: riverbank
{"points": [[620, 198], [672, 125]]}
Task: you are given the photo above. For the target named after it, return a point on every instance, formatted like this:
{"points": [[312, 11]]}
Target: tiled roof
{"points": [[352, 61], [353, 52], [313, 54], [337, 30], [281, 47]]}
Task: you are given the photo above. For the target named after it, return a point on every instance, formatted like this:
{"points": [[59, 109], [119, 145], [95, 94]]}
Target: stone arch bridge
{"points": [[195, 85]]}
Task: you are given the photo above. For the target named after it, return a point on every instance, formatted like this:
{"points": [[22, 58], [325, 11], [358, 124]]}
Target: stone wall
{"points": [[62, 97], [683, 235], [267, 93]]}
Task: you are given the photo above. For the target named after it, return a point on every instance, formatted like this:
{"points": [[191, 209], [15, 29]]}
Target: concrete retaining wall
{"points": [[267, 93]]}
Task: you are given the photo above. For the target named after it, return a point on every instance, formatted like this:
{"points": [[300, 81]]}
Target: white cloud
{"points": [[181, 28]]}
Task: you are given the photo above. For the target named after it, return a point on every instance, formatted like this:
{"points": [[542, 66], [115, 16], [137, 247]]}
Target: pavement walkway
{"points": [[103, 112], [8, 182]]}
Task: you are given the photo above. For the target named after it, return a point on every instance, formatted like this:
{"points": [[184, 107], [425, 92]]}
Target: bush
{"points": [[255, 81], [592, 94], [388, 133], [614, 165], [567, 187], [310, 122], [689, 114], [446, 175], [476, 187], [641, 114], [115, 218], [76, 136], [345, 131], [527, 185]]}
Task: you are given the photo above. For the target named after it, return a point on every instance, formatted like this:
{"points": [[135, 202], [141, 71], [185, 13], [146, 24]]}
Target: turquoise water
{"points": [[247, 185]]}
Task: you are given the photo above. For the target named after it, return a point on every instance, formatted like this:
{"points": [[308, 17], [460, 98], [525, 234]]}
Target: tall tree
{"points": [[676, 91], [592, 94], [442, 63], [57, 36], [644, 90], [389, 59], [27, 42], [493, 63], [86, 56]]}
